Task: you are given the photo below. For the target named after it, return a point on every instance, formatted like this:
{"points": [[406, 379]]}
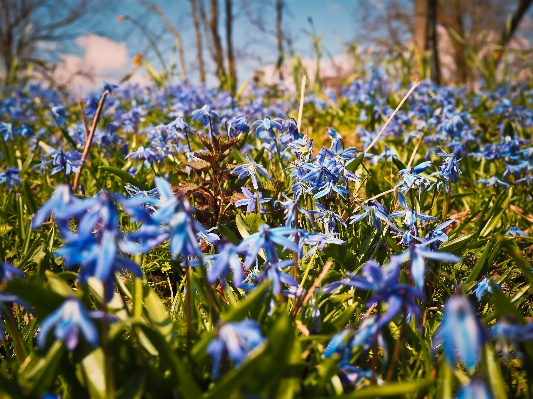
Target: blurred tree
{"points": [[472, 35], [198, 36], [28, 27], [179, 42]]}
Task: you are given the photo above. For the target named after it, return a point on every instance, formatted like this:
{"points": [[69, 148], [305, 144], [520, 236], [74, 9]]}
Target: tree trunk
{"points": [[217, 43], [456, 23], [232, 70], [279, 37], [421, 25], [199, 46], [432, 41], [509, 31]]}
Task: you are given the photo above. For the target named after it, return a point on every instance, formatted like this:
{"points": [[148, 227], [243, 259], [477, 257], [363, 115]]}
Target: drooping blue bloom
{"points": [[205, 114], [208, 237], [59, 113], [410, 178], [273, 272], [237, 341], [492, 182], [291, 209], [417, 255], [69, 319], [512, 333], [6, 129], [266, 238], [237, 125], [409, 214], [374, 212], [515, 231], [10, 300], [449, 170], [528, 180], [7, 272], [110, 87], [460, 333], [318, 241], [474, 390], [145, 154], [251, 200], [267, 125], [438, 235], [225, 261], [251, 169], [66, 161], [10, 177], [60, 201], [483, 286], [329, 219]]}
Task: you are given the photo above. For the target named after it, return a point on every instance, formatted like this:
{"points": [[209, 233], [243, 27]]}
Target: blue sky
{"points": [[332, 19]]}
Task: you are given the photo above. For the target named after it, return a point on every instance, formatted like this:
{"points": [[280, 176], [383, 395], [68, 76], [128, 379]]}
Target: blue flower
{"points": [[110, 87], [460, 333], [329, 219], [417, 255], [69, 319], [10, 176], [515, 231], [374, 212], [493, 181], [7, 271], [267, 125], [474, 390], [251, 169], [237, 340], [291, 209], [66, 161], [438, 234], [7, 131], [483, 286], [409, 214], [10, 299], [411, 178], [237, 125], [273, 273], [266, 238], [59, 113], [512, 333], [223, 262], [251, 200], [206, 114]]}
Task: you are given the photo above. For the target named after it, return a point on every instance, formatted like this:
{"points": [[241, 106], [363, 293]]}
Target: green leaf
{"points": [[228, 234], [39, 373], [184, 379], [480, 264], [124, 176], [93, 366], [241, 311], [493, 369], [389, 389], [133, 388], [158, 315], [497, 215], [354, 163]]}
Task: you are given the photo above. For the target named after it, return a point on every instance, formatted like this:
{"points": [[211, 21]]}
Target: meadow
{"points": [[181, 242]]}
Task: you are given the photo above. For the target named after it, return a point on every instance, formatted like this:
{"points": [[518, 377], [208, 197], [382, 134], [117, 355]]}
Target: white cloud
{"points": [[103, 59]]}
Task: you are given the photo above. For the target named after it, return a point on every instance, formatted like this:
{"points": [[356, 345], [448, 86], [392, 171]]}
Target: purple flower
{"points": [[10, 176], [205, 114]]}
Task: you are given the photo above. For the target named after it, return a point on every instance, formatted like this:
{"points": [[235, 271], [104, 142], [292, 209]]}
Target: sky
{"points": [[106, 47]]}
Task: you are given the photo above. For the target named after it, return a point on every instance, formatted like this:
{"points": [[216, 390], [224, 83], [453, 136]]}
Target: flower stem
{"points": [[110, 381], [16, 337]]}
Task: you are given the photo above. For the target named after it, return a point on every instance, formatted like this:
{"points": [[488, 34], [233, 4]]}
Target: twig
{"points": [[82, 110], [310, 291], [90, 138], [415, 85], [301, 108], [414, 152]]}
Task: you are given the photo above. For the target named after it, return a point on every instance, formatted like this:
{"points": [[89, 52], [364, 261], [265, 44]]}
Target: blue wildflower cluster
{"points": [[216, 247]]}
